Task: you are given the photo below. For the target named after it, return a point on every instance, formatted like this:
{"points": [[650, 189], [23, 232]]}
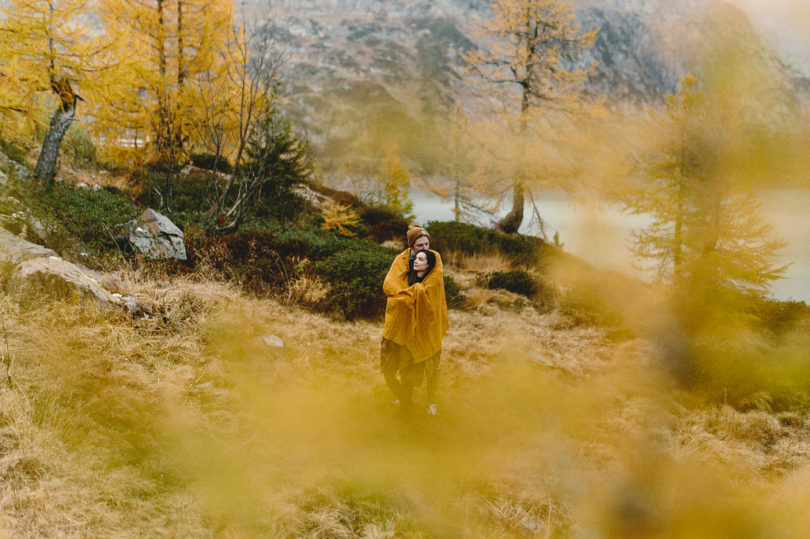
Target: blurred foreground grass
{"points": [[188, 424]]}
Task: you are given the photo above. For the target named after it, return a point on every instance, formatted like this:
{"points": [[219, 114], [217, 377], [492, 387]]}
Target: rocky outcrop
{"points": [[56, 277], [14, 250], [30, 271], [155, 236], [10, 167]]}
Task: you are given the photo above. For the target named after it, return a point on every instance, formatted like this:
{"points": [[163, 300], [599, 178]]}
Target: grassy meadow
{"points": [[187, 423]]}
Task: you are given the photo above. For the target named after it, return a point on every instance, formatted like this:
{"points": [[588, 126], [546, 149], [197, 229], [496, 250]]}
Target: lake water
{"points": [[602, 234]]}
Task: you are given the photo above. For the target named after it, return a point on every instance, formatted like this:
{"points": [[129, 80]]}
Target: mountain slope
{"points": [[358, 68]]}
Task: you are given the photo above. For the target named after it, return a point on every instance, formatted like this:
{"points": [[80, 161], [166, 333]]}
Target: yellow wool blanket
{"points": [[415, 316]]}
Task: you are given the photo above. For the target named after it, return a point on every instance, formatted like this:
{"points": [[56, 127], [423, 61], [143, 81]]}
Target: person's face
{"points": [[422, 243], [420, 262]]}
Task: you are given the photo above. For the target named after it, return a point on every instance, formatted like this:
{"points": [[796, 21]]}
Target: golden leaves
{"points": [[339, 217]]}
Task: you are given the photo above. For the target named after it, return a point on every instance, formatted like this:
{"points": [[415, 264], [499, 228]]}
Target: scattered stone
{"points": [[82, 185], [273, 341], [97, 187], [13, 168], [541, 359], [155, 236], [530, 524], [309, 194], [130, 304]]}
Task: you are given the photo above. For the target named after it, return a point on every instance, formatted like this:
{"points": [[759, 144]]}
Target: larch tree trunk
{"points": [[511, 221], [60, 122], [181, 75]]}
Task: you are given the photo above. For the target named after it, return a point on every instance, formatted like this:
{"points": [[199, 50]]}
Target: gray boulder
{"points": [[30, 271], [273, 341], [155, 236], [14, 250], [13, 168], [56, 277]]}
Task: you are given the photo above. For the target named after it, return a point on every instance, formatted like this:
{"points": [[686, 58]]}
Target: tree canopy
{"points": [[705, 237], [527, 64]]}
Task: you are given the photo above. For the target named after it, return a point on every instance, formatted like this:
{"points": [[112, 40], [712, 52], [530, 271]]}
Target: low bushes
{"points": [[519, 282], [74, 213], [210, 161], [263, 262], [471, 239], [780, 317], [185, 199], [383, 224], [355, 275], [455, 297]]}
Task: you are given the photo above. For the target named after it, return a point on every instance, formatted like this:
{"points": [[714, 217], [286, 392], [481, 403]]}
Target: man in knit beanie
{"points": [[412, 311], [418, 239]]}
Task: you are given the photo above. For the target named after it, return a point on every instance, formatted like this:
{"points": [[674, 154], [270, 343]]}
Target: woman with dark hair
{"points": [[415, 321], [423, 262]]}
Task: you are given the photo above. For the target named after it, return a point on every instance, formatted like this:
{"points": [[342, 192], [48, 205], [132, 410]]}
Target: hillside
{"points": [[223, 409], [188, 423]]}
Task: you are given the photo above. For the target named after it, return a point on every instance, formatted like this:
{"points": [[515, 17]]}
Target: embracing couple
{"points": [[415, 321]]}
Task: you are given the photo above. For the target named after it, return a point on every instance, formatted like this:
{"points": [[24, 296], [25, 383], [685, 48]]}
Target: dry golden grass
{"points": [[187, 423]]}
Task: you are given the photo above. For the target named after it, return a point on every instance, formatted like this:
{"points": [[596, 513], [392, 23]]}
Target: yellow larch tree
{"points": [[704, 237], [165, 45], [524, 65], [395, 180], [51, 57]]}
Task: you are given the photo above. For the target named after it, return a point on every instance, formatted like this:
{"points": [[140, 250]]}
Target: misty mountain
{"points": [[357, 68]]}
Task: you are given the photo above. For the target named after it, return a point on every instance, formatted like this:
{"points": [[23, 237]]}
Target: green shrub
{"points": [[89, 216], [780, 317], [249, 257], [471, 239], [383, 223], [355, 275], [311, 243], [769, 377], [455, 298], [209, 161], [249, 244], [183, 199], [518, 282]]}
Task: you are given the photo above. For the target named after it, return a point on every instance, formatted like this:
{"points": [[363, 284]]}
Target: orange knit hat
{"points": [[414, 233]]}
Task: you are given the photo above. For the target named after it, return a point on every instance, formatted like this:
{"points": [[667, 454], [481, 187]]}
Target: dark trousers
{"points": [[402, 374]]}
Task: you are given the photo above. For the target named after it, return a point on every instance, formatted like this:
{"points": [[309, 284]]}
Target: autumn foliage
{"points": [[154, 79]]}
